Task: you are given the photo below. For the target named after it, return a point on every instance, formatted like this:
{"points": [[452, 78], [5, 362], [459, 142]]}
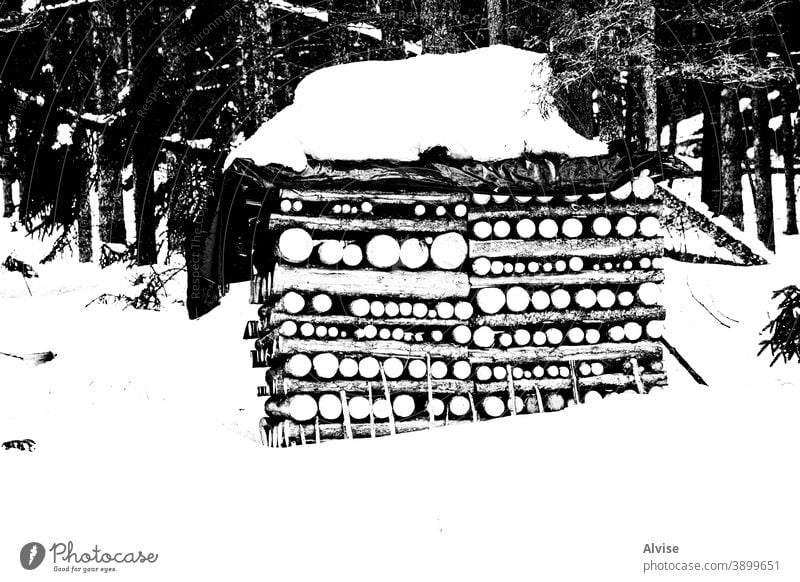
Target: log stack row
{"points": [[388, 312]]}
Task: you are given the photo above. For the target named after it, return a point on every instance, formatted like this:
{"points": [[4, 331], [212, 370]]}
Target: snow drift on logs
{"points": [[486, 104]]}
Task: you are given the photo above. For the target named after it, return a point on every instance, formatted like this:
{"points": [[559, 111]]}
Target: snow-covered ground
{"points": [[146, 431]]}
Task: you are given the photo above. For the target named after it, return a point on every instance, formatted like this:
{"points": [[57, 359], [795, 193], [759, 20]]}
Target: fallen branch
{"points": [[35, 358], [682, 361], [703, 305]]}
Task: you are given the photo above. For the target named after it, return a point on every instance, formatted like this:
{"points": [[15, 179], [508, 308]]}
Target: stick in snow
{"points": [[692, 372], [34, 358]]}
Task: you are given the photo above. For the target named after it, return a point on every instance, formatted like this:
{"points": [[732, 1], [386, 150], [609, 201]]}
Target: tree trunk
{"points": [[762, 173], [6, 179], [672, 146], [440, 26], [345, 43], [732, 156], [85, 210], [788, 159], [711, 170], [109, 188], [258, 88], [675, 100], [638, 107], [283, 94], [145, 154], [148, 95], [642, 91], [7, 101], [629, 131], [392, 30], [649, 88], [8, 200], [107, 158], [496, 17], [575, 106]]}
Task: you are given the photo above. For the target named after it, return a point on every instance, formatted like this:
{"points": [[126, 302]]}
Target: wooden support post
{"points": [[285, 434], [262, 431], [430, 389], [512, 401], [637, 376], [388, 399], [574, 376], [348, 429], [539, 400], [371, 414]]}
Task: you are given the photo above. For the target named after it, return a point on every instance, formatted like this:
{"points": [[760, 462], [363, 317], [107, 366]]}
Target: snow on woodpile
{"points": [[486, 104], [709, 236]]}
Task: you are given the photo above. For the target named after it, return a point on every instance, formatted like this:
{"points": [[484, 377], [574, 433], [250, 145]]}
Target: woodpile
{"points": [[385, 312]]}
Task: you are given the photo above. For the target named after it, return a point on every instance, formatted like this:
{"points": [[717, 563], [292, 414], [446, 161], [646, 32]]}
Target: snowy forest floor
{"points": [[155, 417]]}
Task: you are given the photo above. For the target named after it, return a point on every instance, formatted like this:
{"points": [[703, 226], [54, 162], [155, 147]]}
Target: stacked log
{"points": [[567, 295], [387, 312], [366, 315]]}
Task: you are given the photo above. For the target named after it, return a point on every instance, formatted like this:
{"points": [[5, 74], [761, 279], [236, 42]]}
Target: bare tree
{"points": [[649, 106], [592, 41], [496, 13], [732, 156], [711, 171], [392, 28], [789, 141], [110, 31], [762, 171], [440, 26], [6, 157]]}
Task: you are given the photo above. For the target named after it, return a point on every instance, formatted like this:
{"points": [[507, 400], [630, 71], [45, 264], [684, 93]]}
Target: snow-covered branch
{"points": [[322, 15], [95, 118]]}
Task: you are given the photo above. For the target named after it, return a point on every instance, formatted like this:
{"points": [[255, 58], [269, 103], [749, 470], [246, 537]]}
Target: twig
{"points": [[703, 305], [682, 361], [24, 280]]}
